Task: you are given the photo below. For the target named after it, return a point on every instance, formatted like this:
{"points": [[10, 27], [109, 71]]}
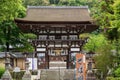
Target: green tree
{"points": [[36, 2], [95, 42], [117, 72], [104, 60], [24, 42], [10, 33], [103, 56], [115, 31], [116, 8], [54, 1], [72, 2], [102, 12], [11, 9]]}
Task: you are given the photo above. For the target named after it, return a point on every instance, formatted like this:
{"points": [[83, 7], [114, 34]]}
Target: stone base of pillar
{"points": [[27, 75], [6, 75], [91, 75]]}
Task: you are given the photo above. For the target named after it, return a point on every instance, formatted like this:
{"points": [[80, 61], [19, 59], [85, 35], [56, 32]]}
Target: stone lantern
{"points": [[7, 75], [27, 75], [26, 61], [7, 61], [90, 73]]}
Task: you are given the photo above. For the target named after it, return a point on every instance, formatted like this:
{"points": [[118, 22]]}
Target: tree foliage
{"points": [[11, 9], [56, 2], [103, 56], [104, 59], [95, 42], [102, 12], [36, 2], [116, 22], [10, 33], [117, 72]]}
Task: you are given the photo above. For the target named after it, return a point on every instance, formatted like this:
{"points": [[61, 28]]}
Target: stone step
{"points": [[57, 74], [57, 67], [57, 64]]}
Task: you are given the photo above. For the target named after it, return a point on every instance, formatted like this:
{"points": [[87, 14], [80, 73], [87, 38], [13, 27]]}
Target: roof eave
{"points": [[52, 22]]}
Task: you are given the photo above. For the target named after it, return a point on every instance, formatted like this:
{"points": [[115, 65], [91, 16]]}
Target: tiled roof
{"points": [[20, 55], [15, 55]]}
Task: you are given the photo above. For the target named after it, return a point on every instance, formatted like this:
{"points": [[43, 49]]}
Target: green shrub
{"points": [[113, 78], [2, 70], [34, 72], [117, 72], [17, 75]]}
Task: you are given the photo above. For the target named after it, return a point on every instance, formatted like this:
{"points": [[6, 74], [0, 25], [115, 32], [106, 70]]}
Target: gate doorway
{"points": [[58, 54], [57, 58]]}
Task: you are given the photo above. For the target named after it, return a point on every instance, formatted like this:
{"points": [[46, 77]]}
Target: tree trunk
{"points": [[7, 46], [8, 39]]}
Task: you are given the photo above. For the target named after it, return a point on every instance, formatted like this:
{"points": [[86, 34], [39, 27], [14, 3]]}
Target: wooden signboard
{"points": [[80, 67]]}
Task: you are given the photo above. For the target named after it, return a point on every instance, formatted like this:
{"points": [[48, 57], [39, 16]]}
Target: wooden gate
{"points": [[57, 58]]}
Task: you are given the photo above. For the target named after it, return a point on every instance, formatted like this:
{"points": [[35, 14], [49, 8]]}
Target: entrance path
{"points": [[57, 74], [36, 77]]}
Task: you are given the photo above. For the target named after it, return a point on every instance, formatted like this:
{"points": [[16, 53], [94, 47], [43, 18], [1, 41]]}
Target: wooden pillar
{"points": [[34, 56], [80, 48], [69, 54], [34, 44], [68, 58], [68, 43], [81, 45], [16, 62], [78, 36], [47, 43], [46, 57]]}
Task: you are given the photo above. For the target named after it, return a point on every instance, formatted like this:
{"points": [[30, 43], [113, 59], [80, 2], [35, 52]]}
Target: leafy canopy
{"points": [[11, 9], [95, 42], [10, 33]]}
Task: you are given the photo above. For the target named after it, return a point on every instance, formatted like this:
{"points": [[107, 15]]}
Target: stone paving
{"points": [[57, 71], [57, 74]]}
